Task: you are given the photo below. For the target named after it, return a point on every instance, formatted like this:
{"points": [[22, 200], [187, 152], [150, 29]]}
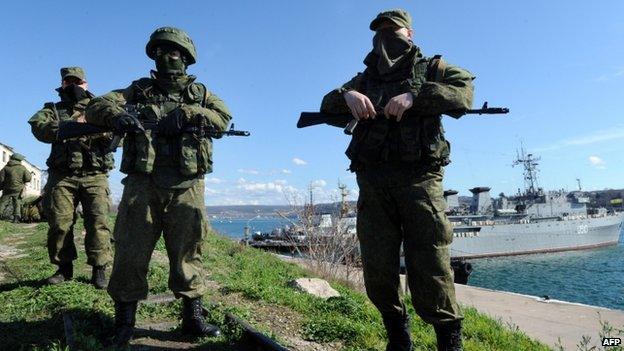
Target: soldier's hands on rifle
{"points": [[173, 123], [126, 122], [398, 105], [360, 105]]}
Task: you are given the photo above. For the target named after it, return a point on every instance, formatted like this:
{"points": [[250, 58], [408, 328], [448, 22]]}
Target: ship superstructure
{"points": [[531, 221]]}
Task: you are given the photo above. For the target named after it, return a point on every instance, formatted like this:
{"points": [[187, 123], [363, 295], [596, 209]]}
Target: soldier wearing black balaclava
{"points": [[77, 174], [398, 152]]}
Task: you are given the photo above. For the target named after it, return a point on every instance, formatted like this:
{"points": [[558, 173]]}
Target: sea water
{"points": [[593, 277]]}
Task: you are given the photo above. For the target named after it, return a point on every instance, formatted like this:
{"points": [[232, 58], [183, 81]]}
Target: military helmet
{"points": [[17, 157], [175, 36]]}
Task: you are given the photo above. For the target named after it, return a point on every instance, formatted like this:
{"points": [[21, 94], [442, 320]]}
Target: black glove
{"points": [[126, 123], [173, 123]]}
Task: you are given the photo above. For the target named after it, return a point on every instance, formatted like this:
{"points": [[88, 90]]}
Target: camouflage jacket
{"points": [[81, 156], [172, 162], [418, 140], [13, 178]]}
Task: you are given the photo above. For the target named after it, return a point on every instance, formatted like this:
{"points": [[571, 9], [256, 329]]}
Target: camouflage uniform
{"points": [[164, 189], [77, 173], [13, 179], [399, 168]]}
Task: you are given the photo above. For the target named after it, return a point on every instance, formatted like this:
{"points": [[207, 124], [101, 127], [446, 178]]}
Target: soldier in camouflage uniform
{"points": [[398, 152], [77, 173], [164, 189], [13, 179]]}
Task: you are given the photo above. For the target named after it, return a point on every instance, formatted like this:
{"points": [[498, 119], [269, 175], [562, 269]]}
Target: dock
{"points": [[553, 322]]}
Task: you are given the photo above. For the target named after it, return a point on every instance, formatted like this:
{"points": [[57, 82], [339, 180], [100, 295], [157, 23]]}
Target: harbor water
{"points": [[593, 277]]}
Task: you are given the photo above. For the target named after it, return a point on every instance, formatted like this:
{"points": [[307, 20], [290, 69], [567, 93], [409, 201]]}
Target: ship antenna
{"points": [[529, 162]]}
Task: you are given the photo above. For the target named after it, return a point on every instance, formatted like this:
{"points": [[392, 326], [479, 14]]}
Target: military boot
{"points": [[98, 277], [449, 336], [193, 319], [398, 334], [124, 322], [63, 273]]}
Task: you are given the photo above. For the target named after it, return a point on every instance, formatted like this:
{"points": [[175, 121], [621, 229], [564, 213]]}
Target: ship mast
{"points": [[344, 206], [529, 162]]}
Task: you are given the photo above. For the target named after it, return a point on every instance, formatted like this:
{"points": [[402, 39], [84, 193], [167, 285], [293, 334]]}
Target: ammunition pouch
{"points": [[195, 155], [188, 152], [139, 153]]}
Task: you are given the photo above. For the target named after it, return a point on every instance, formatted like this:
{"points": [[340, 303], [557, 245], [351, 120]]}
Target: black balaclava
{"points": [[72, 93], [390, 49]]}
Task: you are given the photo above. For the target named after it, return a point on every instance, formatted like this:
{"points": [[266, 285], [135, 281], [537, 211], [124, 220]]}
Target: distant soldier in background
{"points": [[164, 190], [13, 179], [398, 152], [78, 173]]}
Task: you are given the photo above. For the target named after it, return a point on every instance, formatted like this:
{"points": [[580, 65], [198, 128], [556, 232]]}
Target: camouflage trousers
{"points": [[145, 212], [406, 208], [62, 195], [10, 207]]}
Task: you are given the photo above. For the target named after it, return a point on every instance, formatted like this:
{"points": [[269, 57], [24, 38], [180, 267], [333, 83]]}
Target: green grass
{"points": [[31, 314]]}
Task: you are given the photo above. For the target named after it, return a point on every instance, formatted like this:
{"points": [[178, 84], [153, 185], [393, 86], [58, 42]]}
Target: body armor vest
{"points": [[416, 141], [82, 156], [189, 153]]}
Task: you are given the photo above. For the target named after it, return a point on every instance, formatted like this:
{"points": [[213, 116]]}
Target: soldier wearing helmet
{"points": [[164, 186]]}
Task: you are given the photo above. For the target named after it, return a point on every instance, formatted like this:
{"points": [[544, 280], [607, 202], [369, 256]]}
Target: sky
{"points": [[558, 65]]}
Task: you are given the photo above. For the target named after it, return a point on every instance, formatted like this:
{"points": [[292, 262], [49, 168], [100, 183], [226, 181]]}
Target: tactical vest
{"points": [[416, 141], [82, 156], [189, 153]]}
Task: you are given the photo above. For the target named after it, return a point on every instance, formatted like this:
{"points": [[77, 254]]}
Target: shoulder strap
{"points": [[198, 93], [436, 69]]}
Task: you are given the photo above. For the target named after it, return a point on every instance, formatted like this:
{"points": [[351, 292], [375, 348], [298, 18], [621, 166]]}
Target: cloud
{"points": [[211, 192], [299, 162], [591, 138], [619, 72], [286, 171], [248, 171], [318, 183], [597, 162], [214, 180]]}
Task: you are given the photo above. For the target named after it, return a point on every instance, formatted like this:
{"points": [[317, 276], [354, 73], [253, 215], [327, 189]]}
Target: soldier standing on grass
{"points": [[164, 189], [398, 152], [13, 179], [77, 174]]}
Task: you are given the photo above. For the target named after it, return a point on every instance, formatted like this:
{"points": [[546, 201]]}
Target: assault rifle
{"points": [[308, 119], [72, 130]]}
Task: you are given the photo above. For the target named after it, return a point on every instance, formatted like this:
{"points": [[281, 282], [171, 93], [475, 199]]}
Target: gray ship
{"points": [[532, 221]]}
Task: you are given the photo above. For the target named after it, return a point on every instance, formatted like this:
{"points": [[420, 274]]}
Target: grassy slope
{"points": [[253, 285]]}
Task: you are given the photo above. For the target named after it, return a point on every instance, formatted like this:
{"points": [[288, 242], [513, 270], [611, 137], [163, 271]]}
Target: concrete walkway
{"points": [[544, 320]]}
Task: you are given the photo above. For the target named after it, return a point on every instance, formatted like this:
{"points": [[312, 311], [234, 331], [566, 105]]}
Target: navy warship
{"points": [[532, 221]]}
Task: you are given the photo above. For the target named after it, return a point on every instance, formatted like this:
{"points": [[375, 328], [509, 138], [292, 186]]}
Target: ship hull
{"points": [[538, 237]]}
